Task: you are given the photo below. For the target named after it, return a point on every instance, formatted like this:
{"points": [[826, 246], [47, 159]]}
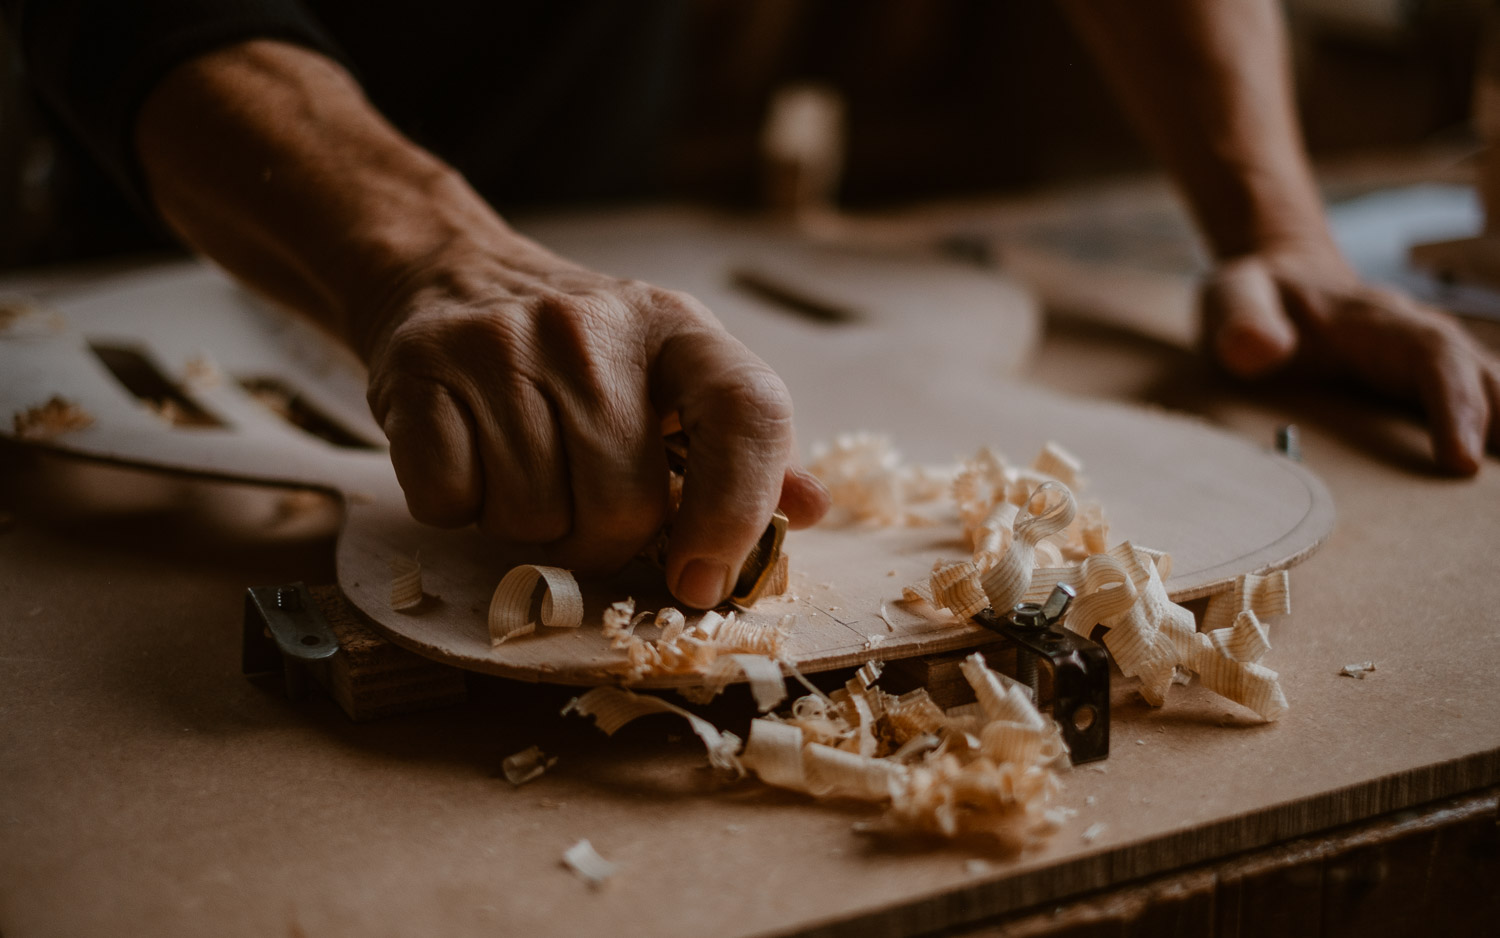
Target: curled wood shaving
{"points": [[956, 587], [672, 622], [1048, 510], [510, 608], [619, 622], [1358, 670], [1245, 640], [767, 684], [1059, 464], [51, 419], [526, 765], [584, 860], [613, 707], [1264, 596], [1153, 638], [406, 583], [992, 536]]}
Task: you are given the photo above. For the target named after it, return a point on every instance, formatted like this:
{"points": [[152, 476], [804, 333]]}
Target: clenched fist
{"points": [[530, 396]]}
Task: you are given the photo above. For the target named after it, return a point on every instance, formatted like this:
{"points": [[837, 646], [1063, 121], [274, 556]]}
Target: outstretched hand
{"points": [[529, 395], [1303, 305]]}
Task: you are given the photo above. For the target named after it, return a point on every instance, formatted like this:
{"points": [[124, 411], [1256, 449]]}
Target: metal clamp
{"points": [[284, 631], [1080, 670]]}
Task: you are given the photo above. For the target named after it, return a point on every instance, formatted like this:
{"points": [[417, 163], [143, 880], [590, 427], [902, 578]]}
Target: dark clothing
{"points": [[534, 101]]}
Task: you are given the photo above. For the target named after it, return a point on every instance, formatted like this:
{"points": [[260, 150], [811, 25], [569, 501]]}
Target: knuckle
{"points": [[753, 398]]}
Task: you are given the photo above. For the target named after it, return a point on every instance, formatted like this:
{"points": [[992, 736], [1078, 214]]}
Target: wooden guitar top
{"points": [[921, 350]]}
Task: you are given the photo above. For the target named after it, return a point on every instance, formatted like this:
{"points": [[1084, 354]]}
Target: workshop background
{"points": [[942, 97]]}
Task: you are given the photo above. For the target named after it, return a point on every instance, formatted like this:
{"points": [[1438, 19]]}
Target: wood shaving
{"points": [[52, 419], [1152, 638], [201, 372], [1092, 832], [767, 683], [779, 579], [584, 860], [526, 765], [406, 583], [22, 317], [684, 650], [946, 773], [955, 587], [613, 707], [1358, 670], [1058, 463], [868, 483], [1048, 510], [1264, 596], [510, 608], [619, 622], [988, 768]]}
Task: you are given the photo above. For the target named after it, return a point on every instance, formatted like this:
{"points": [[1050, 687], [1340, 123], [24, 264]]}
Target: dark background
{"points": [[944, 97]]}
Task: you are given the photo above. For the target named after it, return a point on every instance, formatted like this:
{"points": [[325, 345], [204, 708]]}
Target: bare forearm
{"points": [[518, 390], [268, 158], [1207, 84]]}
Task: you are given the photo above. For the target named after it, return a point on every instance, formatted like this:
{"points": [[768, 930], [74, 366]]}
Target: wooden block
{"points": [[370, 677]]}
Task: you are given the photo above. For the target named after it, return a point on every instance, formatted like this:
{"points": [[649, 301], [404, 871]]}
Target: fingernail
{"points": [[703, 583]]}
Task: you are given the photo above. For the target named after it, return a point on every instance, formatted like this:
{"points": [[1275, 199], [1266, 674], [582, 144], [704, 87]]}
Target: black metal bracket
{"points": [[1080, 682], [284, 631]]}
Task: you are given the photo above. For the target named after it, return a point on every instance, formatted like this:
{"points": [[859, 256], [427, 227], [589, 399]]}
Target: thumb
{"points": [[1245, 326]]}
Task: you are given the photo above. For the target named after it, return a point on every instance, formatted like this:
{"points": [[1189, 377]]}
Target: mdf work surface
{"points": [[145, 787]]}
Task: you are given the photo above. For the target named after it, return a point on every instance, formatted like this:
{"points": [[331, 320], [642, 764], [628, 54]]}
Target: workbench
{"points": [[148, 788]]}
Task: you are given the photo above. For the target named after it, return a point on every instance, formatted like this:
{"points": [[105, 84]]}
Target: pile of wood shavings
{"points": [[989, 767], [869, 484], [683, 649], [54, 418], [1028, 533]]}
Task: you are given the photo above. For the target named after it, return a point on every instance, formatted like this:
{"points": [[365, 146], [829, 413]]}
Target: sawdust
{"points": [[49, 420]]}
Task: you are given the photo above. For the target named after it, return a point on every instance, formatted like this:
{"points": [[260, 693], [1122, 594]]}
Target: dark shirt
{"points": [[534, 101]]}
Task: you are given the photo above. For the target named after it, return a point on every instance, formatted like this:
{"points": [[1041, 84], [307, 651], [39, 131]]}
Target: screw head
{"points": [[1028, 616]]}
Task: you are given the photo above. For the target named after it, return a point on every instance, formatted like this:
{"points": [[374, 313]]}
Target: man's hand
{"points": [[519, 391], [1303, 305], [1208, 85], [531, 402]]}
